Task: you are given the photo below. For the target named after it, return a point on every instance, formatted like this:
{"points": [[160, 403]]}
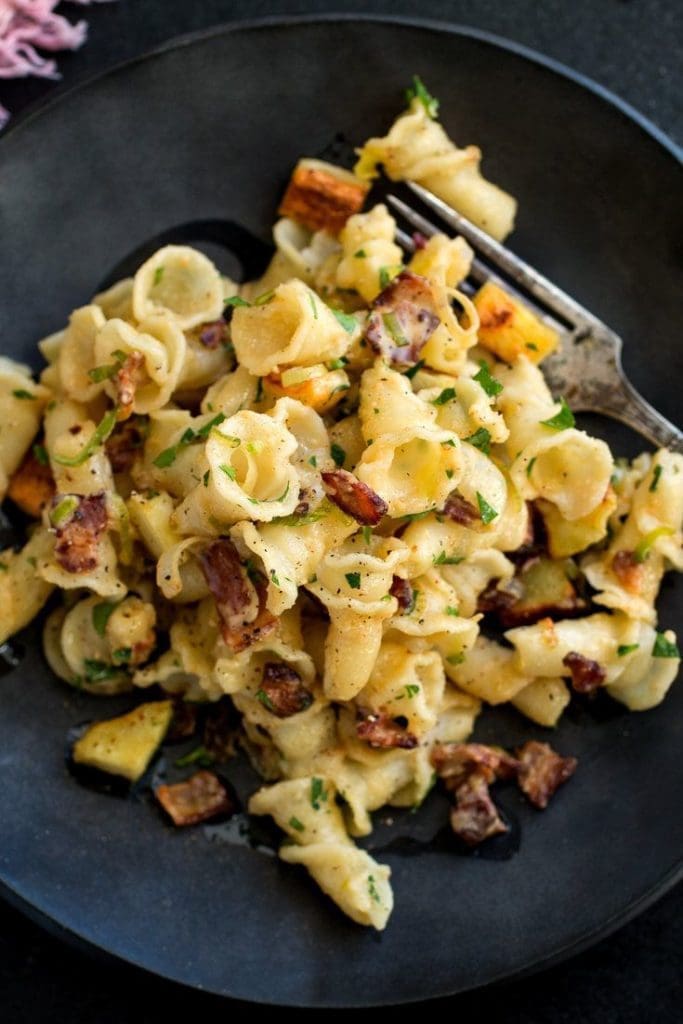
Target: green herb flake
{"points": [[360, 254], [624, 649], [447, 395], [263, 697], [663, 648], [166, 458], [40, 453], [336, 364], [313, 306], [480, 439], [353, 580], [297, 825], [656, 473], [122, 655], [486, 511], [205, 478], [392, 326], [229, 471], [204, 431], [274, 577], [418, 91], [200, 756], [562, 420], [236, 300], [33, 561], [64, 510], [318, 793], [443, 559], [261, 300], [338, 454], [367, 534], [97, 671], [258, 397], [450, 610], [491, 386], [22, 393], [412, 689], [4, 567], [100, 615], [313, 461], [414, 369], [100, 435], [455, 659], [530, 466], [348, 322], [372, 889], [642, 550], [532, 346], [158, 275], [387, 274]]}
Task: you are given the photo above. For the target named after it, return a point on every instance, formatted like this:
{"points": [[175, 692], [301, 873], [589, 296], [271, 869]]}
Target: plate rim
{"points": [[35, 110]]}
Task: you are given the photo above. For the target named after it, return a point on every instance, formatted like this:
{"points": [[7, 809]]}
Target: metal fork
{"points": [[586, 369]]}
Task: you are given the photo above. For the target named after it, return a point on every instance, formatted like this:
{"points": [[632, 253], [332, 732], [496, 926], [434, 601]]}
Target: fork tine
{"points": [[517, 269]]}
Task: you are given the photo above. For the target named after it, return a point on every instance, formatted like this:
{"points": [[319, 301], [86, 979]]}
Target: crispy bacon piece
{"points": [[403, 592], [402, 320], [322, 197], [125, 442], [282, 691], [460, 510], [542, 771], [495, 599], [183, 723], [354, 497], [587, 675], [379, 730], [454, 762], [241, 602], [78, 538], [220, 730], [628, 571], [126, 380], [31, 486], [475, 817], [214, 334], [199, 798]]}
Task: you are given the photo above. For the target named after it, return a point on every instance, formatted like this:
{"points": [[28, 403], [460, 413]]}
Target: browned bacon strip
{"points": [[125, 442], [454, 762], [126, 380], [403, 319], [475, 816], [460, 510], [241, 602], [214, 334], [403, 592], [354, 497], [199, 798], [542, 771], [78, 538], [587, 675], [282, 690], [628, 571], [379, 730], [31, 486]]}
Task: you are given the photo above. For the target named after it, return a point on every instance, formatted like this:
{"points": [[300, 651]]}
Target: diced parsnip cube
{"points": [[543, 701], [509, 329], [125, 745], [321, 196], [321, 391], [565, 538]]}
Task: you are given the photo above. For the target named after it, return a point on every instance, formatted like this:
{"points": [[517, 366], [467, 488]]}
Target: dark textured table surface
{"points": [[635, 48]]}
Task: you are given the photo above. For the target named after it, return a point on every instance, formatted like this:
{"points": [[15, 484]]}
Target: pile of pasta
{"points": [[304, 493]]}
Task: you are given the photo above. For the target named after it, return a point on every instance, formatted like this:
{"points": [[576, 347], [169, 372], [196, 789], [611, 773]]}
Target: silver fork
{"points": [[586, 369]]}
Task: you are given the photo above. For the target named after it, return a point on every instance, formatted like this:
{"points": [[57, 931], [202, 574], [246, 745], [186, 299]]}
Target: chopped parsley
{"points": [[304, 520], [443, 559], [263, 697], [205, 478], [418, 91], [455, 659], [229, 471], [100, 435], [158, 275], [562, 420], [353, 580], [313, 461], [392, 326], [624, 649], [122, 655], [64, 510], [372, 889], [274, 577], [23, 393], [491, 386], [480, 439], [530, 466], [338, 454], [387, 274], [237, 300], [318, 793], [486, 511], [360, 254], [414, 369], [663, 648], [336, 364], [168, 456], [367, 534], [100, 615], [450, 610], [296, 824], [447, 395], [656, 473], [313, 306], [40, 454], [200, 755], [411, 690], [108, 370], [348, 322], [98, 671], [642, 550]]}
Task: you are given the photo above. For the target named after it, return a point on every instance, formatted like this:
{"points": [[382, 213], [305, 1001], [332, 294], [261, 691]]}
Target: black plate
{"points": [[207, 131]]}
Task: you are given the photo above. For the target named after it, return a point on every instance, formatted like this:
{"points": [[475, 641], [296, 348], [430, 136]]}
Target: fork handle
{"points": [[625, 404]]}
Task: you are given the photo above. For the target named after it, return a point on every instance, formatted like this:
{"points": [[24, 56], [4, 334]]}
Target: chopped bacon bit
{"points": [[125, 442], [220, 730], [241, 602], [214, 334], [475, 817], [354, 497], [381, 731], [496, 599], [184, 721], [31, 486], [403, 319], [403, 592], [542, 771], [628, 571], [320, 199], [199, 798], [460, 510], [587, 675], [126, 380], [78, 538], [454, 762], [284, 694]]}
